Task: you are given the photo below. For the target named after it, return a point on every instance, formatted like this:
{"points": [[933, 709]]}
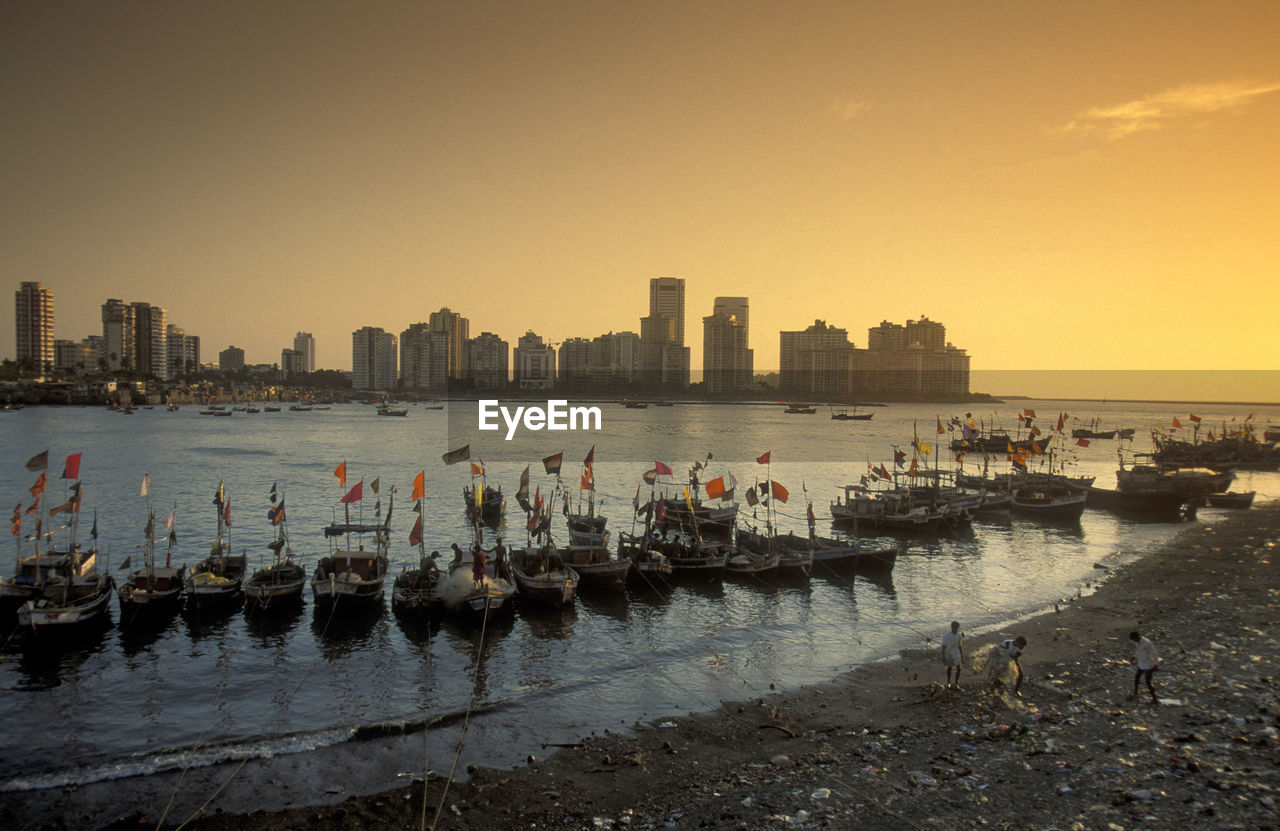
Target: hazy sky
{"points": [[1064, 185]]}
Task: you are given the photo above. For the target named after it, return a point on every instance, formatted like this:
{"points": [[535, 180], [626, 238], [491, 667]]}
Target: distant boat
{"points": [[845, 415], [387, 410], [634, 405], [800, 408]]}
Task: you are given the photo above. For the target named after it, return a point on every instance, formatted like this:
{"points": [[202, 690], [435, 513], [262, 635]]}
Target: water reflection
{"points": [[273, 628], [341, 634], [547, 622], [49, 659]]}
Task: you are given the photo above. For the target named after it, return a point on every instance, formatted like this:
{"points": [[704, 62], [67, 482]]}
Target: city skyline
{"points": [[1090, 188]]}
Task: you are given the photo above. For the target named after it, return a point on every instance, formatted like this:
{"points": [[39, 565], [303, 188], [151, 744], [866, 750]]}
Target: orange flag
{"points": [[419, 485], [341, 472]]}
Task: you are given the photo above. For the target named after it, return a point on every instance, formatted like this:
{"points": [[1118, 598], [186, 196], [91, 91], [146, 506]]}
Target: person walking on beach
{"points": [[953, 653], [1146, 662], [1013, 651]]}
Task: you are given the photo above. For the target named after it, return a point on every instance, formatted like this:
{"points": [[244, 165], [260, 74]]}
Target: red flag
{"points": [[715, 488], [38, 487], [415, 536], [779, 493], [71, 470], [588, 482], [341, 472], [912, 471], [591, 456], [635, 502], [1082, 442], [1177, 425], [1061, 418], [355, 494], [419, 486], [883, 473], [764, 460], [1195, 419], [226, 513], [662, 469]]}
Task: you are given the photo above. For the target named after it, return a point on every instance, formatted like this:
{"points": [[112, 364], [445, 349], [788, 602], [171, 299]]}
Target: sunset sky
{"points": [[1072, 185]]}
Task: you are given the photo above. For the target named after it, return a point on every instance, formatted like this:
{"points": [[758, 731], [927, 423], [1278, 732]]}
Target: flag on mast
{"points": [[71, 468], [341, 472]]}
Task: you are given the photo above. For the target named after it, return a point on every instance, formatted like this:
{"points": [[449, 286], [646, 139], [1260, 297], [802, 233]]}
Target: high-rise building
{"points": [[666, 297], [727, 360], [488, 361], [151, 345], [292, 363], [305, 345], [33, 325], [373, 359], [458, 329], [231, 359], [184, 351], [575, 359], [815, 361], [913, 361], [415, 356], [118, 334], [534, 363], [75, 358]]}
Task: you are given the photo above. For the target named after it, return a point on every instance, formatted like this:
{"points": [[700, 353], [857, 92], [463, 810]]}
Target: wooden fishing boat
{"points": [[492, 503], [1043, 497], [68, 606], [462, 597], [791, 561], [839, 554], [1150, 504], [41, 569], [281, 584], [751, 565], [649, 566], [596, 568], [846, 415], [800, 408], [696, 559], [415, 592], [1230, 499], [542, 577]]}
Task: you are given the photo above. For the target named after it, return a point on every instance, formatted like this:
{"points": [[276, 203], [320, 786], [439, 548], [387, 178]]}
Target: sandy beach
{"points": [[887, 746]]}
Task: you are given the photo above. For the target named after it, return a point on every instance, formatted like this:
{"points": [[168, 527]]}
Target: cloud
{"points": [[847, 109], [1156, 111]]}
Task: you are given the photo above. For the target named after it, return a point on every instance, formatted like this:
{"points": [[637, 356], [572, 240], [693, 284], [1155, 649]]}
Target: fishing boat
{"points": [[1149, 504], [1046, 496], [893, 510], [153, 590], [279, 585], [800, 408], [542, 576], [415, 592], [217, 581], [388, 410], [695, 559], [351, 577], [1230, 499], [649, 566], [634, 405], [838, 554], [68, 605], [847, 415], [463, 596], [747, 564], [791, 561]]}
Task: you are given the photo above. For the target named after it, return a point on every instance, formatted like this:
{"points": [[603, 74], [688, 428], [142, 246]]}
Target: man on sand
{"points": [[1146, 661], [953, 653]]}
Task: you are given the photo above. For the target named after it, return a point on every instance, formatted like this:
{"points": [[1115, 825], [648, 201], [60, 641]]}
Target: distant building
{"points": [[231, 359], [74, 358], [488, 361], [457, 330], [727, 360], [151, 344], [666, 297], [816, 361], [305, 345], [912, 361], [575, 360], [184, 351], [534, 363], [117, 334], [292, 363], [33, 325], [615, 358], [373, 359]]}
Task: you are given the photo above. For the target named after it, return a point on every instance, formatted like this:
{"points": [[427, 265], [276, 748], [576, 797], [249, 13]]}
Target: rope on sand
{"points": [[462, 737]]}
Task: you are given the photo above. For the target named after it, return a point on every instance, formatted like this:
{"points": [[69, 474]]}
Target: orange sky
{"points": [[1065, 186]]}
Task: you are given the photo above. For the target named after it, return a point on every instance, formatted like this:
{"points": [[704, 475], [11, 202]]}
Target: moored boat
{"points": [[217, 581], [279, 585], [351, 578], [542, 576]]}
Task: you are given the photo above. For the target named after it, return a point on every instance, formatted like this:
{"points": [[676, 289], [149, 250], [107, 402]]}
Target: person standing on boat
{"points": [[1146, 661], [477, 565], [499, 558], [953, 653], [457, 556]]}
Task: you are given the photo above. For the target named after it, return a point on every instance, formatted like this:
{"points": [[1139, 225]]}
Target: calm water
{"points": [[133, 700]]}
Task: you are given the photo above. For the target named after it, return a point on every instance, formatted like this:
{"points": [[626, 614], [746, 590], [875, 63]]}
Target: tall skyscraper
{"points": [[534, 363], [488, 361], [305, 345], [151, 344], [727, 362], [117, 334], [373, 359], [33, 325], [184, 351], [457, 328], [666, 297]]}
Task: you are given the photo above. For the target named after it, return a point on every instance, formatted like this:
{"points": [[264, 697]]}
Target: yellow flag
{"points": [[479, 489]]}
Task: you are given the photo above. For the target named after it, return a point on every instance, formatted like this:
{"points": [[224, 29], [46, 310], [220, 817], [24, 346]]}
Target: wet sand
{"points": [[886, 746]]}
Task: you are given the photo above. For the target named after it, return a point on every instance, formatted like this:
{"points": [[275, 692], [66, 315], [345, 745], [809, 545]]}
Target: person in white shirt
{"points": [[953, 653], [1146, 662]]}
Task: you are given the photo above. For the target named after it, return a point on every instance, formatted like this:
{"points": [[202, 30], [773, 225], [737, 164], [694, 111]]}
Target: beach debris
{"points": [[782, 761]]}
